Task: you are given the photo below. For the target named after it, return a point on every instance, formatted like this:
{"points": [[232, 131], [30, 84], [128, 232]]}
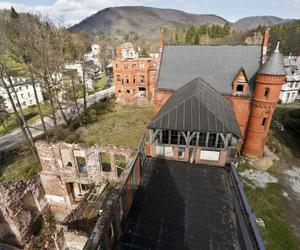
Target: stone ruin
{"points": [[73, 183]]}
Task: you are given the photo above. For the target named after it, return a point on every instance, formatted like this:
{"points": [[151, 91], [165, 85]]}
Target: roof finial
{"points": [[277, 47]]}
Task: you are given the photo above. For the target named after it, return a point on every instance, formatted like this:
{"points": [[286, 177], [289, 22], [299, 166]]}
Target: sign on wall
{"points": [[209, 155]]}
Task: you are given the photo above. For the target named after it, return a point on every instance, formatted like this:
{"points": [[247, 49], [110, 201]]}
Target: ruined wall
{"points": [[68, 170], [21, 203]]}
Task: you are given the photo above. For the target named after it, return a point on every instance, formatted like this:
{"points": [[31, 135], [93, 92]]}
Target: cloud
{"points": [[73, 11]]}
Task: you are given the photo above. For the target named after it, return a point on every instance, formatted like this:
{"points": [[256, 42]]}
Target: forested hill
{"points": [[289, 34], [141, 20]]}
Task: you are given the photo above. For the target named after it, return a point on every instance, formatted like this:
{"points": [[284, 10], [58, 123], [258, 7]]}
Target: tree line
{"points": [[196, 34], [42, 49]]}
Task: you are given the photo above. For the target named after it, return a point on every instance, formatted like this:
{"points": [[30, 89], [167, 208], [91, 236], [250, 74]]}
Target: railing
{"points": [[249, 216]]}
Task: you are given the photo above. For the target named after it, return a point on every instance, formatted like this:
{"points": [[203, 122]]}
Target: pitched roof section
{"points": [[217, 65], [274, 65], [197, 107]]}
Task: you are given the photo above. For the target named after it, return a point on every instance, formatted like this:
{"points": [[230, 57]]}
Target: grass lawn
{"points": [[268, 204], [115, 124], [100, 84]]}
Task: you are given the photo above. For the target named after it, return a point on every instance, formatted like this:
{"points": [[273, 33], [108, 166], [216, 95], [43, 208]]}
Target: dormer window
{"points": [[240, 88]]}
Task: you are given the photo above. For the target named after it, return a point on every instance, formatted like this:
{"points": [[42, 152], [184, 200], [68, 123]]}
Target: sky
{"points": [[73, 11]]}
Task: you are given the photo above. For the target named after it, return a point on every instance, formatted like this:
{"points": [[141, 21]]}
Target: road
{"points": [[10, 140]]}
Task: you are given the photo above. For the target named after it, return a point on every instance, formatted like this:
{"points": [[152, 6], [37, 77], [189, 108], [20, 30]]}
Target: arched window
{"points": [[267, 92], [264, 121]]}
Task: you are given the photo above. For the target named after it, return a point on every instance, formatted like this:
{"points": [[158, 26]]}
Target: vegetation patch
{"points": [[115, 124], [18, 164]]}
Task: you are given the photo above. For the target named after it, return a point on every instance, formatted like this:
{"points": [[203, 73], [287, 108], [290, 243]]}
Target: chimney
{"points": [[161, 41], [265, 45]]}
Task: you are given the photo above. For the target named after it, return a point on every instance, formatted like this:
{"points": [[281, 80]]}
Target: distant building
{"points": [[24, 91], [134, 79], [126, 51], [89, 74], [290, 90], [94, 55]]}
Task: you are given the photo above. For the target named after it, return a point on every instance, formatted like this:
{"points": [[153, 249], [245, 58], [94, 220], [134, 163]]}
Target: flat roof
{"points": [[180, 205]]}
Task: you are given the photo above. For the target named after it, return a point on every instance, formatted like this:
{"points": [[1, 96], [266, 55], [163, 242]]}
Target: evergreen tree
{"points": [[3, 113], [14, 13]]}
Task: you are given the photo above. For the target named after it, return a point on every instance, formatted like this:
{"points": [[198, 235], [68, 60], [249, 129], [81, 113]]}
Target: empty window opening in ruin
{"points": [[73, 191], [267, 92], [105, 161], [142, 79], [120, 161], [81, 164], [240, 88]]}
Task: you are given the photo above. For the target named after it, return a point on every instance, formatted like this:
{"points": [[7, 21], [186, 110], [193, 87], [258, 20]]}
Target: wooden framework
{"points": [[220, 138]]}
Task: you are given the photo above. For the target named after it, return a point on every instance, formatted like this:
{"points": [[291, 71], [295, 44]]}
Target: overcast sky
{"points": [[74, 11]]}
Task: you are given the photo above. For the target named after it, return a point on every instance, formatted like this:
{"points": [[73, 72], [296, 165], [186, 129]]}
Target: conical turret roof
{"points": [[274, 65]]}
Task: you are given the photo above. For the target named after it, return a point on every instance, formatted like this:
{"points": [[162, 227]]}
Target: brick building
{"points": [[134, 79], [236, 73]]}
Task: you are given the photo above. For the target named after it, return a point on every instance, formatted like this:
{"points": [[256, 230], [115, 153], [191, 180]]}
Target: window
{"points": [[142, 89], [220, 143], [119, 91], [182, 140], [133, 80], [116, 65], [194, 141], [20, 88], [81, 164], [22, 95], [118, 78], [240, 88], [127, 81], [142, 79], [24, 103], [267, 91], [202, 139], [105, 161], [174, 137], [28, 94], [128, 91], [212, 140], [165, 137], [26, 86], [181, 151], [120, 161], [264, 121]]}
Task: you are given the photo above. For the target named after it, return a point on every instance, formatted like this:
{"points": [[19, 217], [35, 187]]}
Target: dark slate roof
{"points": [[274, 65], [217, 65], [185, 206], [197, 106]]}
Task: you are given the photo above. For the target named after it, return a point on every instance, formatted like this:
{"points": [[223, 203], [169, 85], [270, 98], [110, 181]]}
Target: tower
{"points": [[269, 80]]}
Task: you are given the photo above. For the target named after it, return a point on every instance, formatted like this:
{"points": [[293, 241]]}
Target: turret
{"points": [[269, 80]]}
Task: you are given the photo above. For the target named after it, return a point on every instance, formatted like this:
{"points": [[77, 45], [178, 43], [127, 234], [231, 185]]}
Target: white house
{"points": [[94, 55], [126, 51], [290, 90], [89, 81], [24, 91]]}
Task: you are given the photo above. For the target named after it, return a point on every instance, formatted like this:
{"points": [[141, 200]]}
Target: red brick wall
{"points": [[127, 78], [160, 98], [241, 109], [262, 107]]}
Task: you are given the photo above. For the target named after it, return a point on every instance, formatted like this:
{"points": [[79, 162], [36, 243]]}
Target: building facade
{"points": [[290, 90], [134, 80], [237, 73], [23, 90]]}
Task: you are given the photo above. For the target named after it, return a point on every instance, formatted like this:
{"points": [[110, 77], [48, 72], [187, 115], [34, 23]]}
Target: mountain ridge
{"points": [[144, 20]]}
